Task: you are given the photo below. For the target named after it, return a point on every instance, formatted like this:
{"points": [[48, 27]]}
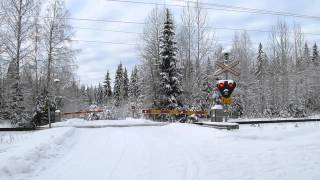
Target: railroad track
{"points": [[275, 121], [18, 129]]}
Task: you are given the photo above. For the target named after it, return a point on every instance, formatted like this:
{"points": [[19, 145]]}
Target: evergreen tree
{"points": [[2, 104], [306, 54], [89, 96], [118, 86], [261, 63], [315, 55], [260, 75], [83, 97], [134, 89], [14, 103], [125, 85], [135, 92], [100, 95], [169, 75], [107, 88], [207, 87]]}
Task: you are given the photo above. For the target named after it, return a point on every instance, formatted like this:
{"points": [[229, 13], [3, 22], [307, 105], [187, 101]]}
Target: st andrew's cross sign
{"points": [[227, 68]]}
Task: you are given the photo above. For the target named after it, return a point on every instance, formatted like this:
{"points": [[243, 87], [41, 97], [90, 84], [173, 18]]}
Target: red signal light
{"points": [[231, 85], [221, 85]]}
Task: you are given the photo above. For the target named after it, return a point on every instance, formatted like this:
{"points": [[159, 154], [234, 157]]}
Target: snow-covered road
{"points": [[171, 152]]}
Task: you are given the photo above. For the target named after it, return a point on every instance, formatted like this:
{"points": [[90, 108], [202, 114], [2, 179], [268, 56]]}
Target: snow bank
{"points": [[5, 124], [272, 119], [33, 153], [75, 122]]}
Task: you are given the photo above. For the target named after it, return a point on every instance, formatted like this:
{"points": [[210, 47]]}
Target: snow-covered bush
{"points": [[40, 115]]}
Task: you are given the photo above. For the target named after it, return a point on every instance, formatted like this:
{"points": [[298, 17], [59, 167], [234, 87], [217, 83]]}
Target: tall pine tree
{"points": [[107, 88], [125, 85], [100, 95], [134, 89], [118, 87], [315, 55], [260, 75], [261, 64], [169, 75]]}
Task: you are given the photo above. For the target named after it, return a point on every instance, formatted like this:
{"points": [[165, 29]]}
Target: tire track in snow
{"points": [[176, 158], [133, 160], [117, 163]]}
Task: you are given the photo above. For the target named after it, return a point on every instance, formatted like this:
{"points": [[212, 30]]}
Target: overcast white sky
{"points": [[95, 59]]}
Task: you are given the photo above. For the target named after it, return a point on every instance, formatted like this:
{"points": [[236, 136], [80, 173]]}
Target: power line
{"points": [[91, 19], [228, 8], [142, 23], [208, 27], [103, 42], [136, 44], [82, 19], [219, 7], [253, 10], [261, 30], [107, 30]]}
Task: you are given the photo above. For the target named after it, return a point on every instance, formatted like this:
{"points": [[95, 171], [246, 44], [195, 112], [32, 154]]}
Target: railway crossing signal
{"points": [[226, 87]]}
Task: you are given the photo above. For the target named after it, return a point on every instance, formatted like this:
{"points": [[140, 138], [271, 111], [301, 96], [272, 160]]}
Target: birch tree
{"points": [[59, 55], [186, 45], [282, 47], [17, 27], [150, 56]]}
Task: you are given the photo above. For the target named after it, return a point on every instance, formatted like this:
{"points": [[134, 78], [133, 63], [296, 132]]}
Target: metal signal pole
{"points": [[226, 61]]}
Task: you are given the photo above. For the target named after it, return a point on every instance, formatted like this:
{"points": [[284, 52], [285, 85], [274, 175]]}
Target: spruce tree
{"points": [[118, 86], [125, 85], [207, 88], [169, 75], [89, 95], [100, 95], [306, 54], [15, 99], [315, 55], [107, 88], [83, 98], [261, 62], [260, 74], [134, 89]]}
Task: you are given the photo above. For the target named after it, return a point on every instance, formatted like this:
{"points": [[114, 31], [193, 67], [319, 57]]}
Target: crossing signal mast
{"points": [[226, 86]]}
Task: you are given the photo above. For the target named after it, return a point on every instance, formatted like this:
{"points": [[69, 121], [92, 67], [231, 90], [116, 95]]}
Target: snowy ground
{"points": [[5, 124], [172, 152], [129, 122], [273, 119]]}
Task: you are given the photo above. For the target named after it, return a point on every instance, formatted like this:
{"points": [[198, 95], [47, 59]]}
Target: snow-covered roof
{"points": [[217, 106], [56, 80]]}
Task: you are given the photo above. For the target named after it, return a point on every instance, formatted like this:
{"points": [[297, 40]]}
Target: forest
{"points": [[176, 67]]}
